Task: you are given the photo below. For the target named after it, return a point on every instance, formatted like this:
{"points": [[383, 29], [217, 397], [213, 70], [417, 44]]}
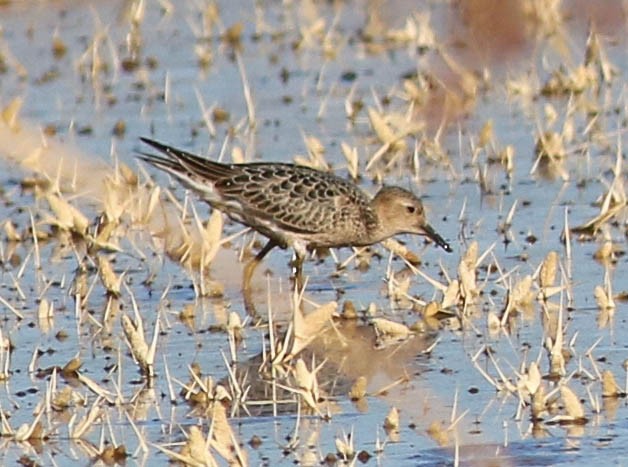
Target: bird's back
{"points": [[285, 202]]}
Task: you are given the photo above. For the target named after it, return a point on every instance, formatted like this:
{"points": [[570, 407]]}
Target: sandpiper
{"points": [[295, 206]]}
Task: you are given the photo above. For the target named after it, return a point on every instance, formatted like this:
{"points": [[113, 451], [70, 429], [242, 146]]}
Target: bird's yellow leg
{"points": [[249, 269], [297, 265]]}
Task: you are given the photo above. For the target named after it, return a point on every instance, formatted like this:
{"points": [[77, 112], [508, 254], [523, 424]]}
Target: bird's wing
{"points": [[294, 198]]}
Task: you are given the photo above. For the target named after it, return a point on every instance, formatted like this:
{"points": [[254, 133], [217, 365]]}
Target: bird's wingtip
{"points": [[151, 142]]}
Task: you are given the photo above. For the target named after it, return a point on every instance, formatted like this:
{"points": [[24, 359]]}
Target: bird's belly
{"points": [[326, 240]]}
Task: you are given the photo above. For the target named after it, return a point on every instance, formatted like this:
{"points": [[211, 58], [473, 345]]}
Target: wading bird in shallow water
{"points": [[295, 206]]}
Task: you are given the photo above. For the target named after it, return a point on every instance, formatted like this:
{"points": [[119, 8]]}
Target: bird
{"points": [[295, 206]]}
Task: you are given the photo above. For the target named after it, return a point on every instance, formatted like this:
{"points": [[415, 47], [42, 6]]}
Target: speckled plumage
{"points": [[296, 206]]}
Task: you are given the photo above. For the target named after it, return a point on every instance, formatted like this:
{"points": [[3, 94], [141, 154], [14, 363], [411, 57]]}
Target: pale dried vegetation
{"points": [[118, 228]]}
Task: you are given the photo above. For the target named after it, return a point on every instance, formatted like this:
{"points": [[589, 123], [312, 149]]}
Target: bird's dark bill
{"points": [[440, 241]]}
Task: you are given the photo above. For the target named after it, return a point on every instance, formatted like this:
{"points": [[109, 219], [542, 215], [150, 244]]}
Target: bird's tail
{"points": [[183, 164]]}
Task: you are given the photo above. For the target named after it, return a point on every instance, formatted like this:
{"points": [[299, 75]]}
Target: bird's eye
{"points": [[410, 209]]}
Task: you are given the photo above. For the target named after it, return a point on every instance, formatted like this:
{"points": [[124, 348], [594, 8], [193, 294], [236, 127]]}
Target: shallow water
{"points": [[303, 62]]}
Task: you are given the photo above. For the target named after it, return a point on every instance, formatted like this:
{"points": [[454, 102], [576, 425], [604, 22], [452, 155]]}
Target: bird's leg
{"points": [[249, 269], [297, 266]]}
